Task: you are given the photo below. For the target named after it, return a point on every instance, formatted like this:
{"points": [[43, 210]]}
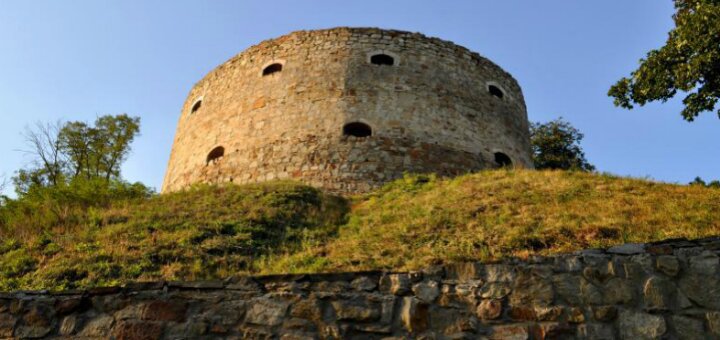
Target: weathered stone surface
{"points": [[713, 320], [138, 330], [499, 273], [363, 283], [529, 288], [567, 287], [414, 315], [567, 263], [701, 289], [292, 120], [70, 325], [522, 313], [596, 331], [688, 328], [668, 265], [98, 327], [659, 294], [427, 291], [265, 311], [591, 294], [489, 309], [618, 291], [495, 290], [627, 249], [551, 330], [509, 332], [242, 283], [310, 309], [398, 284], [7, 325], [70, 305], [164, 311], [548, 313], [36, 323], [575, 315], [638, 325], [604, 313], [225, 313], [707, 263], [356, 310]]}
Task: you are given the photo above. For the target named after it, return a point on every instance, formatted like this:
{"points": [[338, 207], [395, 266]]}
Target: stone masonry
{"points": [[438, 108], [666, 290]]}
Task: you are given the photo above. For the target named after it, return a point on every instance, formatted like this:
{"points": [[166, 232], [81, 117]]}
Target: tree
{"points": [[689, 62], [65, 152], [45, 148], [556, 145], [699, 181]]}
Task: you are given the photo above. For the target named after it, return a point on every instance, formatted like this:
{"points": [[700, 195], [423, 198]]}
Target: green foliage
{"points": [[700, 182], [66, 153], [98, 151], [689, 62], [556, 145], [65, 204]]}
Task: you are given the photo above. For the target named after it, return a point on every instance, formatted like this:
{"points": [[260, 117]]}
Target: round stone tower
{"points": [[348, 109]]}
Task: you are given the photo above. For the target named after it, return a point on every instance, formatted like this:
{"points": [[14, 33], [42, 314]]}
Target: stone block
{"points": [[138, 330], [363, 283], [688, 328], [529, 288], [640, 326], [267, 312], [99, 327], [414, 315], [356, 310], [669, 265], [489, 309], [161, 310], [618, 291], [427, 291], [7, 325], [509, 332], [596, 331], [659, 294], [397, 284]]}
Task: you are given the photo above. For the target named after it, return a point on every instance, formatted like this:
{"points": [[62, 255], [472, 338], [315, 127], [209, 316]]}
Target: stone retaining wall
{"points": [[663, 290]]}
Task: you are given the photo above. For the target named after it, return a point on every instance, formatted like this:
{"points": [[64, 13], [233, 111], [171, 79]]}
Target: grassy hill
{"points": [[280, 227]]}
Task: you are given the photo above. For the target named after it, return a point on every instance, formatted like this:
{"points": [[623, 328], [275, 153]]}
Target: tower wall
{"points": [[431, 111]]}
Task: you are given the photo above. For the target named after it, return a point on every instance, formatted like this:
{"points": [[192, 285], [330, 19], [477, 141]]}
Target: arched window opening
{"points": [[503, 160], [357, 129], [215, 155], [496, 91], [196, 106], [273, 68], [382, 59]]}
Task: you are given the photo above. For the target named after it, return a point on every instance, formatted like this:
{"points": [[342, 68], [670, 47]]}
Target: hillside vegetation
{"points": [[280, 227]]}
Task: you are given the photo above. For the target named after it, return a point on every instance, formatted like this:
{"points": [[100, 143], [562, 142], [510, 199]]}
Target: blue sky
{"points": [[75, 60]]}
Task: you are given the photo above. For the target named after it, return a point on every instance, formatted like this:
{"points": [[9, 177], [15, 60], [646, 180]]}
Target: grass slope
{"points": [[281, 227], [418, 221]]}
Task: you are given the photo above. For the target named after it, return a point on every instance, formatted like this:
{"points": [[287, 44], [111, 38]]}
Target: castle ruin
{"points": [[346, 110]]}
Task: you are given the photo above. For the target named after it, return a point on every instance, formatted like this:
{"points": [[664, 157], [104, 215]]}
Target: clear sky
{"points": [[75, 60]]}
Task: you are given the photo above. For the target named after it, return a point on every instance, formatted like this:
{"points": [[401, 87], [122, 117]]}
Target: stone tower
{"points": [[348, 109]]}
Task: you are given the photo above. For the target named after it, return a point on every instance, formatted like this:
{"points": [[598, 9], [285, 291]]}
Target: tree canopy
{"points": [[689, 62], [556, 145], [64, 152]]}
